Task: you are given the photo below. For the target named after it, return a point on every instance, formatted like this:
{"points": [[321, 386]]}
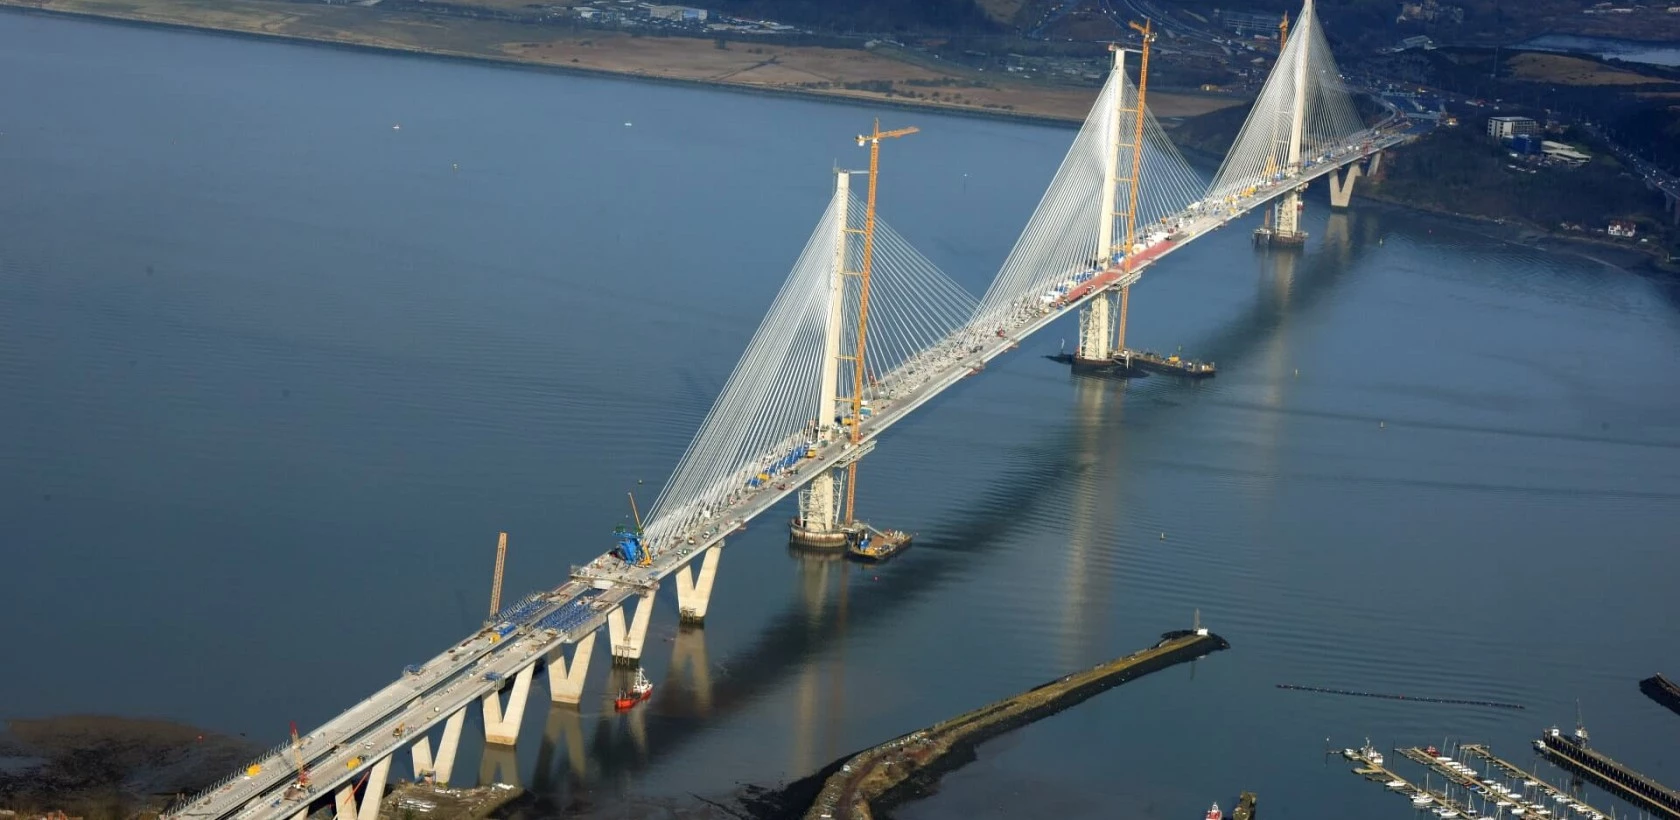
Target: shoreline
{"points": [[1651, 260], [513, 62]]}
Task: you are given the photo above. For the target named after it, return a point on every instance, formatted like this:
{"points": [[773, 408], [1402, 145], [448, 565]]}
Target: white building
{"points": [[1504, 128]]}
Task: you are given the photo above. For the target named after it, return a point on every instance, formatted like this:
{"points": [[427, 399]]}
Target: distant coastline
{"points": [[351, 41]]}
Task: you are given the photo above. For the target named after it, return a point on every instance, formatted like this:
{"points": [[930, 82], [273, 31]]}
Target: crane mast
{"points": [[873, 140], [1147, 33], [496, 581]]}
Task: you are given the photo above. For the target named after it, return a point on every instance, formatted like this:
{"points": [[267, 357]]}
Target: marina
{"points": [[1502, 787], [1373, 767], [1518, 774]]}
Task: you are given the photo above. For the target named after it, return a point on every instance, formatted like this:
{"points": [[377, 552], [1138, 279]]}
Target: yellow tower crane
{"points": [[1146, 32], [873, 140], [496, 582], [297, 756]]}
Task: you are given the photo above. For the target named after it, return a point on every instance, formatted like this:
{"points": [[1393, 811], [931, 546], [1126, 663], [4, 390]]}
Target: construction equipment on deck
{"points": [[297, 755]]}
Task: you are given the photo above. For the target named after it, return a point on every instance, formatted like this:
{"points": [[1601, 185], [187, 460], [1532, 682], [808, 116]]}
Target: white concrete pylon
{"points": [[817, 507], [345, 800], [565, 681], [443, 766], [1096, 320], [502, 728], [303, 814], [627, 640], [694, 592]]}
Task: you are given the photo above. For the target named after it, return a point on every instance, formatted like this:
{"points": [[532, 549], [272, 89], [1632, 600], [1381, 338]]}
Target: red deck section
{"points": [[1112, 275]]}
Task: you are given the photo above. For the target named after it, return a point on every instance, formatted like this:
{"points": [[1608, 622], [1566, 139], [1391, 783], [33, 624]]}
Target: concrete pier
{"points": [[694, 590], [501, 727], [627, 638], [565, 681], [443, 766]]}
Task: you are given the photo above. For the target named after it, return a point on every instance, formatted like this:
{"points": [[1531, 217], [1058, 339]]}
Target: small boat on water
{"points": [[1215, 814], [640, 689]]}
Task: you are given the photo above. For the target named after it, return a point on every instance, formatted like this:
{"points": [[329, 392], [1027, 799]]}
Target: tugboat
{"points": [[640, 689], [872, 545], [1215, 814]]}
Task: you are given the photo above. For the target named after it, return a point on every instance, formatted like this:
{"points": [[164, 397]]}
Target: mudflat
{"points": [[821, 71]]}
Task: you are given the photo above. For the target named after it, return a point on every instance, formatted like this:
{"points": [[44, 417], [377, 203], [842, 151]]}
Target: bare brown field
{"points": [[1564, 70], [807, 70]]}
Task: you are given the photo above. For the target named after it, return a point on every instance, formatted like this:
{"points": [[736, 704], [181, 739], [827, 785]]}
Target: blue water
{"points": [[276, 372]]}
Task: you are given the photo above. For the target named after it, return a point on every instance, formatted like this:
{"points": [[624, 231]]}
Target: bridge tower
{"points": [[824, 522], [1286, 211], [1096, 319], [818, 524]]}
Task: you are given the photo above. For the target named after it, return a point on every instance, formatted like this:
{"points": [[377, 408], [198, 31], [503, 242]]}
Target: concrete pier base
{"points": [[502, 728], [627, 639], [565, 681], [441, 767], [816, 539], [694, 590]]}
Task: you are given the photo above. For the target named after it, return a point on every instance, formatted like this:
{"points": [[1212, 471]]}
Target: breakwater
{"points": [[901, 768], [1388, 696], [1662, 690]]}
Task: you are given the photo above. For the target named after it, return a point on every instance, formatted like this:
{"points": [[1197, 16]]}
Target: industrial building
{"points": [[1504, 128]]}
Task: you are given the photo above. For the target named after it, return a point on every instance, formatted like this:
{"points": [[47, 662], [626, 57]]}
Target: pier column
{"points": [[694, 592], [345, 800], [1375, 165], [374, 794], [502, 728], [444, 765], [303, 814], [627, 640], [565, 682], [1341, 185]]}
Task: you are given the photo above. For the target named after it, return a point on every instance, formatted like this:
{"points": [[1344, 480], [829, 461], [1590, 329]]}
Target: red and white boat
{"points": [[1215, 814], [640, 689]]}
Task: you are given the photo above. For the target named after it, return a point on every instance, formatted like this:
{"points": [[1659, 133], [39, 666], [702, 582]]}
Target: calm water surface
{"points": [[276, 372]]}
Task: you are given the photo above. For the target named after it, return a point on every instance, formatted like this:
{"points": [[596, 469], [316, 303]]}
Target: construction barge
{"points": [[1571, 752], [1663, 691], [905, 767], [1141, 362]]}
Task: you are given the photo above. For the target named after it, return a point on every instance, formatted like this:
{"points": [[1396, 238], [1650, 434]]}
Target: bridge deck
{"points": [[457, 677]]}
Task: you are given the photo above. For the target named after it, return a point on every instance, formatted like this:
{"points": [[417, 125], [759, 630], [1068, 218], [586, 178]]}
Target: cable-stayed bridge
{"points": [[864, 331]]}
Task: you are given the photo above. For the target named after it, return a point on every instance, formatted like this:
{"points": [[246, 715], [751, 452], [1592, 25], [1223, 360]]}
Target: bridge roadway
{"points": [[342, 749]]}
